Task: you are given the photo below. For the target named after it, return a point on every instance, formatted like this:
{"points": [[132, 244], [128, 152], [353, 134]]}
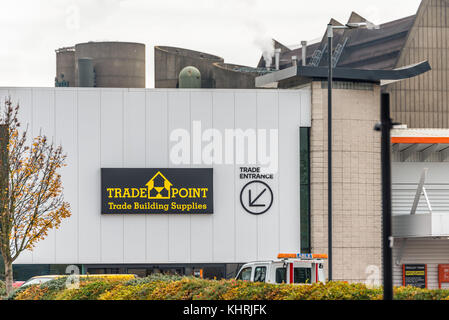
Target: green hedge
{"points": [[160, 287]]}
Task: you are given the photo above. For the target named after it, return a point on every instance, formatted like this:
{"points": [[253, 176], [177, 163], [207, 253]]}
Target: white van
{"points": [[288, 268]]}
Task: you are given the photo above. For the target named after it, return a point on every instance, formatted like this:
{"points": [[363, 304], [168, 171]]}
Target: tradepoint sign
{"points": [[156, 191]]}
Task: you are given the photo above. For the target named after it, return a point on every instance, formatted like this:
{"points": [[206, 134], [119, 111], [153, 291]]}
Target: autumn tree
{"points": [[31, 193]]}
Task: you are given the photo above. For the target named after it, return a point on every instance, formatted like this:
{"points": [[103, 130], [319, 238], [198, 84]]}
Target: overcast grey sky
{"points": [[30, 30]]}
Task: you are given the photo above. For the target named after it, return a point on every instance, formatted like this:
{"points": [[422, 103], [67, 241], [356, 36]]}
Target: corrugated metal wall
{"points": [[421, 251], [422, 102]]}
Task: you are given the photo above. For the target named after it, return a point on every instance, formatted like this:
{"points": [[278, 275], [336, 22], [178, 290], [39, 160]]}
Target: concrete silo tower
{"points": [[116, 64], [65, 67]]}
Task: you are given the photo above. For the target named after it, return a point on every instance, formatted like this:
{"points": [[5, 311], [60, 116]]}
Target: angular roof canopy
{"points": [[303, 74]]}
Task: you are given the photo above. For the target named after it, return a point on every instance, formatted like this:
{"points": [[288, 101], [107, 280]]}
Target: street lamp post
{"points": [[330, 36], [386, 125]]}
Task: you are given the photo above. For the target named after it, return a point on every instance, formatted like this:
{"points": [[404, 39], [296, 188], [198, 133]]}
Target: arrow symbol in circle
{"points": [[252, 202]]}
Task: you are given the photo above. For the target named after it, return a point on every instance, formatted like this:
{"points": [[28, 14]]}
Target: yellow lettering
{"points": [[185, 191], [126, 193], [195, 193], [134, 193]]}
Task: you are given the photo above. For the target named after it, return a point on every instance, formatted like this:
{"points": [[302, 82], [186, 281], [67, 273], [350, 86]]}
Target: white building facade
{"points": [[132, 128]]}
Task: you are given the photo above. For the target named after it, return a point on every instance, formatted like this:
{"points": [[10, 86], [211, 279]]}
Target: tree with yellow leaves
{"points": [[31, 193]]}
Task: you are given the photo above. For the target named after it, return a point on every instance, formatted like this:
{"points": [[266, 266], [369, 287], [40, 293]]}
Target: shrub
{"points": [[88, 290], [140, 291], [164, 287], [53, 287], [154, 277], [32, 292], [412, 293]]}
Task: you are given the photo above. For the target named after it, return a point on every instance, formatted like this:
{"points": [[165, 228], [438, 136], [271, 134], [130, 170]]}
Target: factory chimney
{"points": [[304, 52], [277, 57]]}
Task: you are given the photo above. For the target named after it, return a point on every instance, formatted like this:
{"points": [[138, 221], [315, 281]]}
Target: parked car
{"points": [[43, 279], [17, 284]]}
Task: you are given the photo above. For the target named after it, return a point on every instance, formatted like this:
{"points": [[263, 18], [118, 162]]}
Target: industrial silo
{"points": [[169, 61], [232, 76], [65, 67], [116, 64]]}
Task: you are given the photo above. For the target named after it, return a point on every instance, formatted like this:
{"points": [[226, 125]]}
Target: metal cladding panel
{"points": [[157, 157], [268, 117], [89, 160], [179, 233], [289, 182], [224, 219], [43, 120], [202, 225], [65, 132], [135, 141], [131, 128], [112, 156], [26, 113]]}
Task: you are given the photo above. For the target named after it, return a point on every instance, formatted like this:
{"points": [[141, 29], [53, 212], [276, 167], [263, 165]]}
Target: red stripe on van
{"points": [[291, 272]]}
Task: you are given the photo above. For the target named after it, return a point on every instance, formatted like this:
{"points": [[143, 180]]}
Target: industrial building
{"points": [[215, 73], [421, 102], [123, 129], [132, 136], [101, 64], [128, 128], [421, 238]]}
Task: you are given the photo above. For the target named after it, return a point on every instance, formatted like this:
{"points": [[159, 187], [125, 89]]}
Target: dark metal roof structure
{"points": [[360, 48], [376, 49]]}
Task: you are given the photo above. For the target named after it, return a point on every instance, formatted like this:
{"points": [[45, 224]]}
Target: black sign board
{"points": [[414, 275], [156, 191]]}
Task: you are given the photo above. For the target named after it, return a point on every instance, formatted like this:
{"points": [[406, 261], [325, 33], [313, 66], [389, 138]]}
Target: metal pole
{"points": [[329, 148], [386, 125]]}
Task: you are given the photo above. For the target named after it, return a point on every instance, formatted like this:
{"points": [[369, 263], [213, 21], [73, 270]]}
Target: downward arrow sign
{"points": [[252, 202]]}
